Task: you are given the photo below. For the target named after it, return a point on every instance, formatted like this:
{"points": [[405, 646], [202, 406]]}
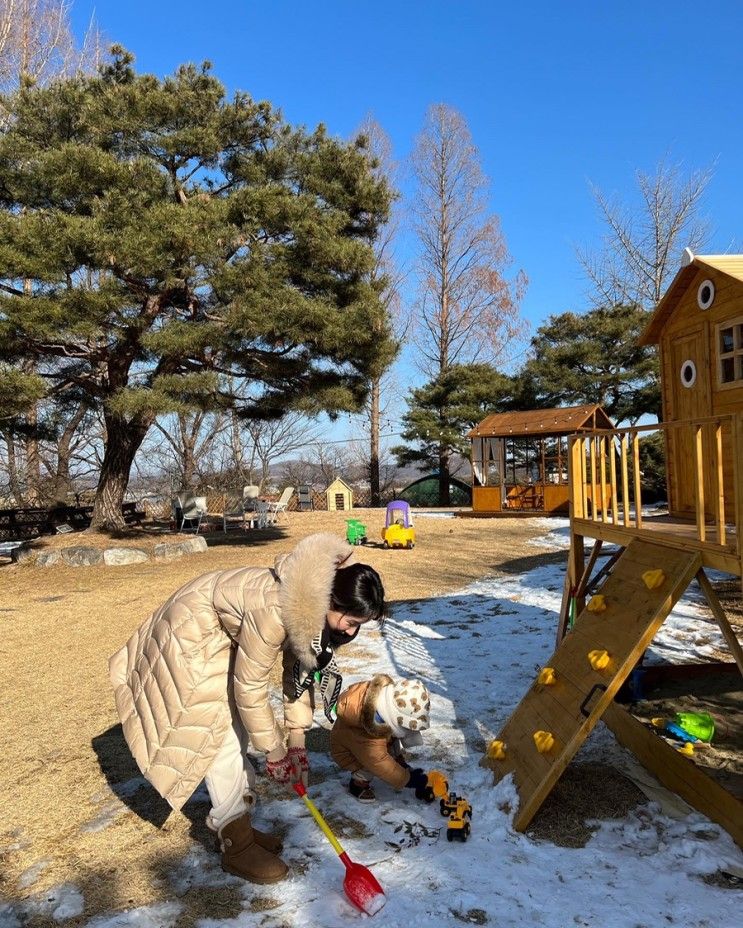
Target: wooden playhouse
{"points": [[520, 459], [640, 565]]}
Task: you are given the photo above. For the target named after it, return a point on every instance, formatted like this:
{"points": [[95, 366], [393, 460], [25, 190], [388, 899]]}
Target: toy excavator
{"points": [[458, 810]]}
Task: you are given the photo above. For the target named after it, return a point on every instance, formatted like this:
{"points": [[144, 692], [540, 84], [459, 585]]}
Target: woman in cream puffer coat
{"points": [[193, 681]]}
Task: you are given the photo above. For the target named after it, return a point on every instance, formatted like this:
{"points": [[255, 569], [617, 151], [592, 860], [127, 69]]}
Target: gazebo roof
{"points": [[561, 421], [730, 265]]}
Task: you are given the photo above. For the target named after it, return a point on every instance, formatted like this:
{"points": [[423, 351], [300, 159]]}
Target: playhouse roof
{"points": [[730, 265], [561, 421], [337, 483]]}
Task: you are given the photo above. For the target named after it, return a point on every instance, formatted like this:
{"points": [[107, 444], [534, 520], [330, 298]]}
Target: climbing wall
{"points": [[581, 679]]}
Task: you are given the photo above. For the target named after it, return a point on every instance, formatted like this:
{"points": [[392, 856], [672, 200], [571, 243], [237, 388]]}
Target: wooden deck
{"points": [[673, 532]]}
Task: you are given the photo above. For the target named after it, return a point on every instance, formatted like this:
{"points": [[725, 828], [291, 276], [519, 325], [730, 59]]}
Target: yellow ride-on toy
{"points": [[398, 531]]}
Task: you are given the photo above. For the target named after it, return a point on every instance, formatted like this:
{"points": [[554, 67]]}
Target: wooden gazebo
{"points": [[520, 460]]}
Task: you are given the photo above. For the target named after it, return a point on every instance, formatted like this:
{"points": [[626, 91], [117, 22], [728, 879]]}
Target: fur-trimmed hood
{"points": [[357, 705], [306, 576]]}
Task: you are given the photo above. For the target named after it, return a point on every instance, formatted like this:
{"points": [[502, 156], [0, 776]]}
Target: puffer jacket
{"points": [[358, 742], [216, 639]]}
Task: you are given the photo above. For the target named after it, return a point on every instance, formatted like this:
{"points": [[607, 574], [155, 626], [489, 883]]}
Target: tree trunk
{"points": [[123, 440], [62, 482], [13, 479], [444, 498], [33, 460], [374, 444]]}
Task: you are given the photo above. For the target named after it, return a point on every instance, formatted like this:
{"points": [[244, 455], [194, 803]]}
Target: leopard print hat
{"points": [[404, 705]]}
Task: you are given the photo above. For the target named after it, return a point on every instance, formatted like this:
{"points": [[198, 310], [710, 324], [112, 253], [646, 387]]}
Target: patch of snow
{"points": [[161, 915], [31, 875]]}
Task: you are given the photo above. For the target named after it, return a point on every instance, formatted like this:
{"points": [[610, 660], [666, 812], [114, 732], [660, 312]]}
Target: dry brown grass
{"points": [[59, 745]]}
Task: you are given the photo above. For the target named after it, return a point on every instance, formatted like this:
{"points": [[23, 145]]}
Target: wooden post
{"points": [[613, 478], [502, 471], [737, 458], [625, 480], [602, 464], [637, 483], [719, 614], [699, 475], [575, 477], [720, 481], [592, 447], [576, 566]]}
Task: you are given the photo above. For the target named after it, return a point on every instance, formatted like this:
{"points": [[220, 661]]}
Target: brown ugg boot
{"points": [[244, 857], [268, 842]]}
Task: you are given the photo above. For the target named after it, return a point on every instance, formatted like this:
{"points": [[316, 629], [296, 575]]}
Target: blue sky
{"points": [[555, 94]]}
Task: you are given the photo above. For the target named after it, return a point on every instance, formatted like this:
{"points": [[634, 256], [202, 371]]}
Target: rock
{"points": [[167, 552], [194, 545], [80, 556], [119, 557], [48, 558], [23, 556]]}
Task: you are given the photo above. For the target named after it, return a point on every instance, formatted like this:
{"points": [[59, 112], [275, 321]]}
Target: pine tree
{"points": [[441, 412], [176, 242], [594, 358]]}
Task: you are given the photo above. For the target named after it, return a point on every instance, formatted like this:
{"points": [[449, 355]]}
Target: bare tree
{"points": [[190, 440], [275, 438], [466, 309], [386, 277], [642, 246]]}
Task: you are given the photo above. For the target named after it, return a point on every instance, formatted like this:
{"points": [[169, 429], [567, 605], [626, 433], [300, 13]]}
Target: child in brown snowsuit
{"points": [[375, 721]]}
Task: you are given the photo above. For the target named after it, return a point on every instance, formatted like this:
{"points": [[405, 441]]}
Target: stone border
{"points": [[82, 556]]}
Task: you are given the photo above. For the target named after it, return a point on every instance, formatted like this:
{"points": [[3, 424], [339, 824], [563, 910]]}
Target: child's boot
{"points": [[361, 790], [244, 857]]}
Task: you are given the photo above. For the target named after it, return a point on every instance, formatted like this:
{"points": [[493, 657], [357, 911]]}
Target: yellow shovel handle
{"points": [[323, 825]]}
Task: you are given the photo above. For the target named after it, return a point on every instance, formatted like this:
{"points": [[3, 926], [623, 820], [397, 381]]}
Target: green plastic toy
{"points": [[699, 724], [355, 532]]}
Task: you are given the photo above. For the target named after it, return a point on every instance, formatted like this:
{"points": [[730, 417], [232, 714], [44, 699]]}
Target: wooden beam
{"points": [[719, 613], [637, 484], [625, 479], [699, 484], [583, 582], [613, 478], [737, 457], [720, 486]]}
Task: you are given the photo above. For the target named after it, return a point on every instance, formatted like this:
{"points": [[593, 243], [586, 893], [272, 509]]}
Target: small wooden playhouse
{"points": [[698, 325]]}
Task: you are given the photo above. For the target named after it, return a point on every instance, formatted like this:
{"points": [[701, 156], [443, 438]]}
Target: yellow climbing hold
{"points": [[546, 676], [497, 750], [598, 659], [687, 749], [597, 604], [658, 722], [653, 578], [544, 740]]}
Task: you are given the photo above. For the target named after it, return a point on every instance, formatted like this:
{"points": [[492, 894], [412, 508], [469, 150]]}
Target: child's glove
{"points": [[279, 769], [300, 765], [419, 782]]}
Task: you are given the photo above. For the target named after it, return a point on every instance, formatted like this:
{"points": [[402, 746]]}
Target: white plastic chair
{"points": [[281, 504], [235, 508], [194, 510]]}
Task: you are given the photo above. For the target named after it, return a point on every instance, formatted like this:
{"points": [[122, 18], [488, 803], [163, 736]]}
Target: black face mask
{"points": [[337, 638]]}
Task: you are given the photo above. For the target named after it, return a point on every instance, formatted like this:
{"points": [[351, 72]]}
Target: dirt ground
{"points": [[62, 756], [61, 749]]}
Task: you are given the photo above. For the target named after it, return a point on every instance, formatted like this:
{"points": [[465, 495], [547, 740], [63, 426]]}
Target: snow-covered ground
{"points": [[477, 650]]}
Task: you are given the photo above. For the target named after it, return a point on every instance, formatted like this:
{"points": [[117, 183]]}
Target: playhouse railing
{"points": [[605, 466]]}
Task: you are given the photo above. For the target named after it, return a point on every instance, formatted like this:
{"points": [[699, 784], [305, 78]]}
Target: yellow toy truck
{"points": [[460, 816], [398, 531]]}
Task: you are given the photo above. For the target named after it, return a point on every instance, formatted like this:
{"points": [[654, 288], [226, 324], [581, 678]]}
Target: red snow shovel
{"points": [[360, 884]]}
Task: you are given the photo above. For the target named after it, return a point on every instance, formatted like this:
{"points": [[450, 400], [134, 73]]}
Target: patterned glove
{"points": [[300, 765], [280, 770], [419, 782]]}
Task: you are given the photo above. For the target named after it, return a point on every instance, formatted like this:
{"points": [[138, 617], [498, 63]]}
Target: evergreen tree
{"points": [[594, 358], [171, 243], [442, 411]]}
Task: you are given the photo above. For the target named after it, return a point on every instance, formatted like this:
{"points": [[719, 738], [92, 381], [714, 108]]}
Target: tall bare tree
{"points": [[275, 438], [642, 245], [387, 277], [467, 309]]}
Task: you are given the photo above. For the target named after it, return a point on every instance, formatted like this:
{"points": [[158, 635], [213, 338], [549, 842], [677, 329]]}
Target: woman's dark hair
{"points": [[357, 590]]}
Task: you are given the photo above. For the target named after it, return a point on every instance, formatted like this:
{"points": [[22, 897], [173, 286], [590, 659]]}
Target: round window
{"points": [[688, 374], [705, 294]]}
